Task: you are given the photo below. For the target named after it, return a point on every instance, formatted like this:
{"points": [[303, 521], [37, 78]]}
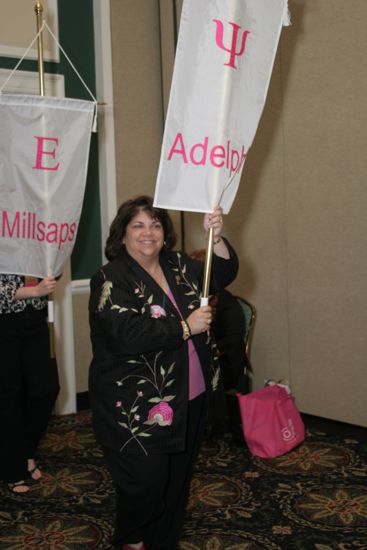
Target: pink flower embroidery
{"points": [[157, 311], [136, 291], [160, 414], [118, 404]]}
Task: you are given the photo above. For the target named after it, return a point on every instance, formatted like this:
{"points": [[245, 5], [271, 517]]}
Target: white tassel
{"points": [[287, 16], [94, 126], [50, 311]]}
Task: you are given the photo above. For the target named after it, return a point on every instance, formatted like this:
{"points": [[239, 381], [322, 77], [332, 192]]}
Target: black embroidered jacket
{"points": [[138, 380]]}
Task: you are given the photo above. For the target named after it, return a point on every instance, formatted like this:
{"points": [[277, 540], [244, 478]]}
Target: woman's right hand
{"points": [[46, 286], [199, 320]]}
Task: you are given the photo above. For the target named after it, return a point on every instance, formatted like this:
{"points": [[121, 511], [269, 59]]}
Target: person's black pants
{"points": [[28, 389], [152, 491]]}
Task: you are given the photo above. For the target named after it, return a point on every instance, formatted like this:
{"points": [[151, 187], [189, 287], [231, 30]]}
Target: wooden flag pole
{"points": [[38, 8], [207, 267]]}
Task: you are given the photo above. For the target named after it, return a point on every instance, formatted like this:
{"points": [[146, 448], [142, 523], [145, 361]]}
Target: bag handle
{"points": [[282, 383]]}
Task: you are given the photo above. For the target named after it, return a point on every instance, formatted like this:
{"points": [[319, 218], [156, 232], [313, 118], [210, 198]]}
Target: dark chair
{"points": [[250, 316]]}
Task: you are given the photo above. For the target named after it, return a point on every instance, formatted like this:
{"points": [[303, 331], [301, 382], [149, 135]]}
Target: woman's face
{"points": [[144, 237]]}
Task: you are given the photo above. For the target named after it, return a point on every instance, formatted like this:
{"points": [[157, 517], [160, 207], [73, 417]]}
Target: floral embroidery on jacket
{"points": [[157, 311], [161, 414], [105, 294], [214, 365], [181, 278]]}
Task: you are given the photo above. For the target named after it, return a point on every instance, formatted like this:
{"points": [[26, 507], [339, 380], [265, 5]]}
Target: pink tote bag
{"points": [[271, 423]]}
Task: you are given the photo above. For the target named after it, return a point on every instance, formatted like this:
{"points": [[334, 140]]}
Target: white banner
{"points": [[224, 59], [44, 148]]}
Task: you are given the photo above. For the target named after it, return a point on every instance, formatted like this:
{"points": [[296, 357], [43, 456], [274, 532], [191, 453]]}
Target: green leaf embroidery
{"points": [[215, 379], [168, 398], [106, 293], [119, 308], [155, 400]]}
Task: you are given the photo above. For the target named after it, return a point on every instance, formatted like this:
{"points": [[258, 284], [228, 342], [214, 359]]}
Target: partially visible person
{"points": [[29, 381], [229, 329], [153, 369]]}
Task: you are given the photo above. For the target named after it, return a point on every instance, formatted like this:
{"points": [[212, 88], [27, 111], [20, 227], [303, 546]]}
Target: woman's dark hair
{"points": [[126, 213]]}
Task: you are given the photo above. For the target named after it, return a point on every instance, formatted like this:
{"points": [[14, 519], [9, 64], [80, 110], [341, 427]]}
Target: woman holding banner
{"points": [[28, 376], [153, 368]]}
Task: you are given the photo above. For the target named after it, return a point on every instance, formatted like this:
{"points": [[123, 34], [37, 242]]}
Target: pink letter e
{"points": [[41, 151]]}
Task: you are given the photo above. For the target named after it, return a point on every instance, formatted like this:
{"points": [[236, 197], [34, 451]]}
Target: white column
{"points": [[64, 344]]}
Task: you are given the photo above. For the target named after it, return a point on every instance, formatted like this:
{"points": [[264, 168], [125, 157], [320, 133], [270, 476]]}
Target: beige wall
{"points": [[137, 93], [298, 222]]}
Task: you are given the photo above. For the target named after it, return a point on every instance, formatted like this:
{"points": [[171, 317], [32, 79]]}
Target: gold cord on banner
{"points": [[38, 8]]}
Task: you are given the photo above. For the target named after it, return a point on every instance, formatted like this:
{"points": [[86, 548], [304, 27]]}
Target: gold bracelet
{"points": [[186, 331], [218, 240]]}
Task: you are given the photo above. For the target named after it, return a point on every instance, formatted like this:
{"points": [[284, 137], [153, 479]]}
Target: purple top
{"points": [[196, 377]]}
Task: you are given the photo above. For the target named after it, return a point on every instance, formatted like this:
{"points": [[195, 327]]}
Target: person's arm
{"points": [[132, 325], [224, 261], [43, 288]]}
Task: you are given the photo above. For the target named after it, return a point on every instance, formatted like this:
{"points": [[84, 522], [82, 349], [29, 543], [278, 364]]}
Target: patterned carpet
{"points": [[313, 498]]}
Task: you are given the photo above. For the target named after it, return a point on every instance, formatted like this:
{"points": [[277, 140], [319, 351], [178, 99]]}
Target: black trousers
{"points": [[152, 491], [28, 389]]}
